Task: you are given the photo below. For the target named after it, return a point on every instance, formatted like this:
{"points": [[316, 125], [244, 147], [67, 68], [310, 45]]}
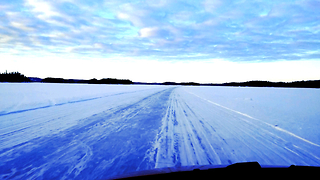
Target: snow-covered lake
{"points": [[68, 131]]}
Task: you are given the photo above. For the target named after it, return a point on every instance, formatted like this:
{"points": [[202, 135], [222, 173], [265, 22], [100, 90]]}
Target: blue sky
{"points": [[162, 40]]}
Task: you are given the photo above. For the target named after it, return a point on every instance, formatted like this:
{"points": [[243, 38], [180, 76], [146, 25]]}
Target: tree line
{"points": [[294, 84], [13, 77], [91, 81], [18, 77]]}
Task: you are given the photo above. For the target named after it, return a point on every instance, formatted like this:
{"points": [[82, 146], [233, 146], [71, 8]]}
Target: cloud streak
{"points": [[164, 30]]}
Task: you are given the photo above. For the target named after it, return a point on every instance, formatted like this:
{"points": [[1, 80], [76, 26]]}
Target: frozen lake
{"points": [[86, 131]]}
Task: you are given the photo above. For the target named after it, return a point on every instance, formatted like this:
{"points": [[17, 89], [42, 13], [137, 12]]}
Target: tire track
{"points": [[68, 102], [180, 142], [101, 146], [206, 133], [252, 118], [269, 144], [21, 127]]}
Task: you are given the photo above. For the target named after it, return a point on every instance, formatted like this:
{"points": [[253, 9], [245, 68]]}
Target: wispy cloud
{"points": [[164, 30]]}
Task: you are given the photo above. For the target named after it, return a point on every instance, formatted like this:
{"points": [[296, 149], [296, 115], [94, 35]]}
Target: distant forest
{"points": [[13, 77], [18, 77], [298, 84], [91, 81]]}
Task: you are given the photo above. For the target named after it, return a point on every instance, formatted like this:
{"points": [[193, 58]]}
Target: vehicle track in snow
{"points": [[168, 127], [68, 102], [106, 144], [20, 127], [196, 131]]}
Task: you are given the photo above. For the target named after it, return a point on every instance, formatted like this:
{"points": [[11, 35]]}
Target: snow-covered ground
{"points": [[98, 131], [21, 96]]}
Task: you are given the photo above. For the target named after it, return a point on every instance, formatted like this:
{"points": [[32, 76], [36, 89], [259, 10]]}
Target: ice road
{"points": [[124, 129]]}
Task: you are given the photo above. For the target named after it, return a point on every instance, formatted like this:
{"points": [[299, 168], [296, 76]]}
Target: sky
{"points": [[209, 41]]}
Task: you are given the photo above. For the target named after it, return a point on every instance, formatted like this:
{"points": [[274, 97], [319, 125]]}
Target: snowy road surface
{"points": [[137, 128]]}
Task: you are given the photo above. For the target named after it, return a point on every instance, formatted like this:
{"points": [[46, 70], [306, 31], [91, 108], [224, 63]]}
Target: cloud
{"points": [[21, 26], [154, 32], [159, 3], [211, 5], [139, 15], [5, 38], [167, 30], [135, 20], [44, 9], [148, 32]]}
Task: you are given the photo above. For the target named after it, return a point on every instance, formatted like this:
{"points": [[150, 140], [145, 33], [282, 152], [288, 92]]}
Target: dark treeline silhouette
{"points": [[18, 77], [54, 80], [297, 84], [190, 84], [91, 81], [144, 83], [13, 77], [183, 83], [110, 81], [170, 83], [61, 80]]}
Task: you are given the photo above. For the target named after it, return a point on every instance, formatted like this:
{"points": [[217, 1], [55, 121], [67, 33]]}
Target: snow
{"points": [[36, 115], [199, 131], [21, 96], [68, 131], [293, 109]]}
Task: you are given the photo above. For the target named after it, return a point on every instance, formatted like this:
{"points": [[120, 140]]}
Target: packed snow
{"points": [[68, 131]]}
